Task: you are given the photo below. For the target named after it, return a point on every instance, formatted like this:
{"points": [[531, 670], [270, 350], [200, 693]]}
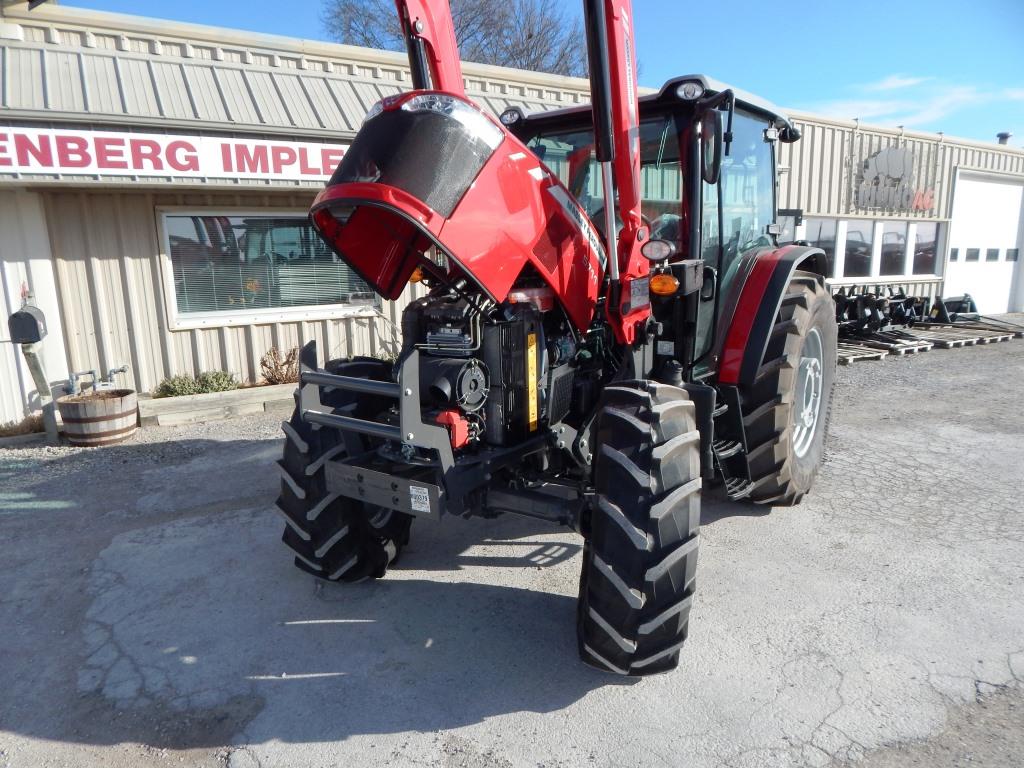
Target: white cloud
{"points": [[940, 104], [1014, 94], [894, 82], [865, 109], [913, 107]]}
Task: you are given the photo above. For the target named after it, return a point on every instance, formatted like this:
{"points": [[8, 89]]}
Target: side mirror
{"points": [[710, 146]]}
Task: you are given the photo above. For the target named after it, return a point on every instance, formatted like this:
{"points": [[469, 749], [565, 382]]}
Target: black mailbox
{"points": [[27, 325]]}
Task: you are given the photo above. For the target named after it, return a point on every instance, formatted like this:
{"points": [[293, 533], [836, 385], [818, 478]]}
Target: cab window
{"points": [[570, 155], [747, 196]]}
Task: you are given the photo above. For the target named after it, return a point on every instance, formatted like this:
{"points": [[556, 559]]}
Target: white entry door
{"points": [[986, 238]]}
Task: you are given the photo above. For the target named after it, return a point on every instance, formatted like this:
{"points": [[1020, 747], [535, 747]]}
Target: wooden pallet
{"points": [[853, 353], [945, 337], [921, 338], [900, 343], [987, 334], [984, 333], [1009, 331], [891, 342], [999, 326]]}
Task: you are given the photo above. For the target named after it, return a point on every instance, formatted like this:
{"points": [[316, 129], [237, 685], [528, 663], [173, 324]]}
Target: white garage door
{"points": [[986, 238]]}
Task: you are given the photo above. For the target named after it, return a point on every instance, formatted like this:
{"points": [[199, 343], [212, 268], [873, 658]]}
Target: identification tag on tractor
{"points": [[419, 498]]}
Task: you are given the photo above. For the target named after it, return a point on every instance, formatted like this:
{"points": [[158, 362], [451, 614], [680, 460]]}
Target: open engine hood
{"points": [[431, 169]]}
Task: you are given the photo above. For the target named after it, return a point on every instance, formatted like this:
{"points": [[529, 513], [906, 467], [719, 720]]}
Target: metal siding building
{"points": [[829, 175], [94, 244], [90, 246]]}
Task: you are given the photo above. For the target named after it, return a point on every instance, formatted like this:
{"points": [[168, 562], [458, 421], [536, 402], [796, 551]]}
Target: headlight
{"points": [[657, 250], [690, 91], [475, 123], [511, 116], [379, 107]]}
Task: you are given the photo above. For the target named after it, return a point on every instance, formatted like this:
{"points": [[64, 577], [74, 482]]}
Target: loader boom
{"points": [[434, 61], [430, 40], [613, 87]]}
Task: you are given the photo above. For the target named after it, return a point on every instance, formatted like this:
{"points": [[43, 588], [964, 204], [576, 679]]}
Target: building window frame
{"points": [[877, 227], [228, 318]]}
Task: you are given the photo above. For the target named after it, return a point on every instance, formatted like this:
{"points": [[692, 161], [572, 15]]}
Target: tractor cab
{"points": [[707, 184]]}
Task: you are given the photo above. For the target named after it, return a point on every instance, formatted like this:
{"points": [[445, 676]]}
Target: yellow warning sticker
{"points": [[531, 379]]}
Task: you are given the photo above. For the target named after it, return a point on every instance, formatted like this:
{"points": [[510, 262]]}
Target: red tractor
{"points": [[609, 323]]}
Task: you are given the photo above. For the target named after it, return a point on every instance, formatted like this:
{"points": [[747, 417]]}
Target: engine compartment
{"points": [[497, 374]]}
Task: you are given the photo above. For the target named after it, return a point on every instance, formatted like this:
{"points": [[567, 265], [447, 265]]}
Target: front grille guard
{"points": [[412, 430]]}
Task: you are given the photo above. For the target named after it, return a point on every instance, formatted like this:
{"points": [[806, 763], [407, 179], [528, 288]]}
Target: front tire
{"points": [[640, 555], [334, 537], [788, 409]]}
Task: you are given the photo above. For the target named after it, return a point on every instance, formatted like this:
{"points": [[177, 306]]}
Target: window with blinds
{"points": [[227, 263]]}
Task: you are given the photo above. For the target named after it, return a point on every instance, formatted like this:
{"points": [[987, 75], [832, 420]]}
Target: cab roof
{"points": [[667, 94]]}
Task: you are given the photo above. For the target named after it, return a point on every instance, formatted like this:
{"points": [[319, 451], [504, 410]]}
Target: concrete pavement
{"points": [[151, 616]]}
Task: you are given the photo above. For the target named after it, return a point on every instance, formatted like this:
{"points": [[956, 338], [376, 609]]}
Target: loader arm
{"points": [[429, 35], [613, 84]]}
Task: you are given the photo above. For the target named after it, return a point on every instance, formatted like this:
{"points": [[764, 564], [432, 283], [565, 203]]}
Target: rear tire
{"points": [[640, 556], [787, 410], [333, 537]]}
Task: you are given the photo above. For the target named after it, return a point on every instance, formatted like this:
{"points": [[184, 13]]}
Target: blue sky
{"points": [[935, 65]]}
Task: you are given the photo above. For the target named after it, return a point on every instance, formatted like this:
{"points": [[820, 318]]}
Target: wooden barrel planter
{"points": [[99, 418]]}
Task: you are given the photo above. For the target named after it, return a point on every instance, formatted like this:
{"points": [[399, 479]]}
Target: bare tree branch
{"points": [[537, 35]]}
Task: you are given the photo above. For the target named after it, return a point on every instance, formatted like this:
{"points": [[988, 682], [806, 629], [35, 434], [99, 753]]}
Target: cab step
{"points": [[738, 488], [726, 448]]}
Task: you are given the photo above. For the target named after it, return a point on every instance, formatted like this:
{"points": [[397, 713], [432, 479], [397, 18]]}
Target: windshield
{"points": [[570, 154]]}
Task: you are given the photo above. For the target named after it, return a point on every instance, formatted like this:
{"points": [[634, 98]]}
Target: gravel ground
{"points": [[151, 617]]}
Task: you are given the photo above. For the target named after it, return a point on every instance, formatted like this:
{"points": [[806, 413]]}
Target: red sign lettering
{"points": [[110, 153], [304, 167], [146, 151], [924, 200], [41, 152], [73, 152], [282, 156], [251, 159], [329, 159], [181, 156]]}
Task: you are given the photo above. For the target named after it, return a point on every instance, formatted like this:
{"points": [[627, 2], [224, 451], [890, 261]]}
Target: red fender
{"points": [[757, 305]]}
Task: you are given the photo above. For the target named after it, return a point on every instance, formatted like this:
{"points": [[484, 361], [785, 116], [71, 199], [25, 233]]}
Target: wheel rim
{"points": [[809, 385]]}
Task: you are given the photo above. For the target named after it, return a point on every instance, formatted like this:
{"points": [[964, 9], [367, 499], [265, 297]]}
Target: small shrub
{"points": [[26, 426], [278, 369], [216, 381], [208, 381], [176, 386]]}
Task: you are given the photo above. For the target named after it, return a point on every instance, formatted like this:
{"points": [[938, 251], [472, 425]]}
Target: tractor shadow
{"points": [[503, 542], [716, 506], [155, 604]]}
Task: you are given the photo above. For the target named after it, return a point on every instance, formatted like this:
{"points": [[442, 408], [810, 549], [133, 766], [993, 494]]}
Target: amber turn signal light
{"points": [[664, 285], [417, 275]]}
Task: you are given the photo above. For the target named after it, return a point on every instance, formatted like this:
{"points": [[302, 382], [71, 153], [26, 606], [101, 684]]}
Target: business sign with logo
{"points": [[886, 180], [108, 153]]}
